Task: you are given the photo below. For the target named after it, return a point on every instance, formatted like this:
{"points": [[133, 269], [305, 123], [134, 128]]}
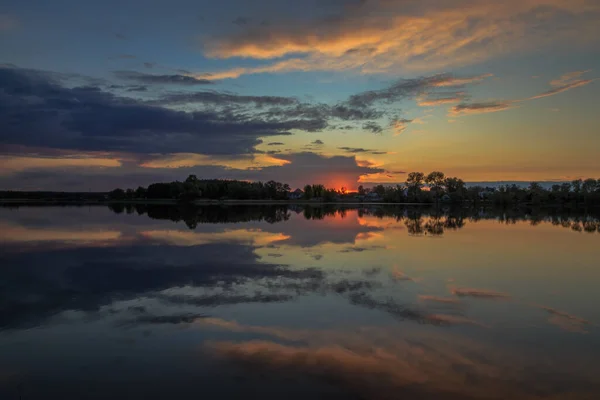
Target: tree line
{"points": [[434, 187]]}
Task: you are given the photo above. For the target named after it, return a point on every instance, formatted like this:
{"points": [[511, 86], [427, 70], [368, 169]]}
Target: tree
{"points": [[436, 180], [117, 194], [308, 192], [318, 190], [589, 186], [414, 182], [140, 192], [361, 190], [454, 185], [379, 189], [576, 185], [192, 179]]}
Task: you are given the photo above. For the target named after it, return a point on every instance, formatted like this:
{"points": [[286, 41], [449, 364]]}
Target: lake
{"points": [[152, 302]]}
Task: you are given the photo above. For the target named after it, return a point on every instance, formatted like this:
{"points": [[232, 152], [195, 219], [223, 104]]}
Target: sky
{"points": [[98, 95]]}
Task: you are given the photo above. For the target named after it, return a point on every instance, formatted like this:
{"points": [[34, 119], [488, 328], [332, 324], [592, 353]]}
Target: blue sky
{"points": [[358, 92]]}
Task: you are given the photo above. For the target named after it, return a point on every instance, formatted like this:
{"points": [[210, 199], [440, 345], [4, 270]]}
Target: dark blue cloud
{"points": [[173, 79], [37, 110]]}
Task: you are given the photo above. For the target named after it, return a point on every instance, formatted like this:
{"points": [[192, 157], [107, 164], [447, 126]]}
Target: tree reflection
{"points": [[419, 221]]}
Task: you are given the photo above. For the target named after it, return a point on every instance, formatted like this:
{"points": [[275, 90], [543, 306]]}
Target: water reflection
{"points": [[418, 220], [325, 301]]}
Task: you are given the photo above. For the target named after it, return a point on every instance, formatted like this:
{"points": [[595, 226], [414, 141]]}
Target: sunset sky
{"points": [[95, 95]]}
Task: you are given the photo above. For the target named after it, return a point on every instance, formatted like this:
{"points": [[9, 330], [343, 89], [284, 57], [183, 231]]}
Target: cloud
{"points": [[149, 65], [385, 363], [219, 98], [566, 321], [161, 79], [307, 167], [400, 124], [443, 99], [120, 36], [11, 164], [373, 127], [480, 293], [439, 299], [565, 82], [400, 90], [358, 150], [275, 144], [384, 36], [317, 142], [568, 77], [39, 112], [562, 88], [480, 108]]}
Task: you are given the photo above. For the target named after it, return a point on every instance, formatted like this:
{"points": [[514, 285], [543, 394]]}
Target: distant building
{"points": [[296, 194]]}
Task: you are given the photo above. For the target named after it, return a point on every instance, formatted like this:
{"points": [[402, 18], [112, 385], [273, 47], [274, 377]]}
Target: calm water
{"points": [[270, 303]]}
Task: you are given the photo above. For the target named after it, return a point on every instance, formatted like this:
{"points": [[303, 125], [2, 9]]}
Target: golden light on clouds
{"points": [[185, 238], [19, 234], [424, 37], [11, 164], [183, 160]]}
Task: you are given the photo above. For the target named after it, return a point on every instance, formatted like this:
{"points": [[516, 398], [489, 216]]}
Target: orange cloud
{"points": [[388, 362], [19, 234], [11, 164], [568, 77], [562, 88], [424, 37], [182, 160], [566, 321], [184, 238]]}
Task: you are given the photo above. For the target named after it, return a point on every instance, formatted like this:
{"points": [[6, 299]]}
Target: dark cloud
{"points": [[275, 144], [161, 79], [480, 108], [35, 294], [373, 127], [223, 99], [317, 142], [120, 36], [149, 65], [400, 90], [38, 111], [139, 88], [480, 293], [357, 150]]}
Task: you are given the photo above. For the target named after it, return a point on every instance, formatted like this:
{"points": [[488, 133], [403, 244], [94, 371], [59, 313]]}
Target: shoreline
{"points": [[194, 203], [208, 202]]}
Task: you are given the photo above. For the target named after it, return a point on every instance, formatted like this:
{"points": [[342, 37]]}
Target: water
{"points": [[276, 302]]}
